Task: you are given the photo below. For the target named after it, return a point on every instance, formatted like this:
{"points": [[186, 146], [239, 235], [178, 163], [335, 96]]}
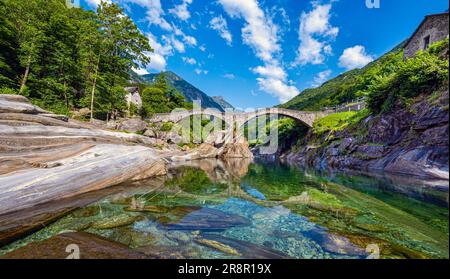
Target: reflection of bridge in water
{"points": [[241, 118], [226, 172]]}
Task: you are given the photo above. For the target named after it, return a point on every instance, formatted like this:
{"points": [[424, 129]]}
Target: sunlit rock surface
{"points": [[44, 157]]}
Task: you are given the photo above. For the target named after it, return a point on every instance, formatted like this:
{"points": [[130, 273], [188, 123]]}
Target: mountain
{"points": [[343, 88], [135, 78], [188, 90], [223, 103]]}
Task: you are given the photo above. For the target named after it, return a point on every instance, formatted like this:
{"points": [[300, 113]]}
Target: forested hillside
{"points": [[66, 58], [347, 86], [190, 92], [404, 128]]}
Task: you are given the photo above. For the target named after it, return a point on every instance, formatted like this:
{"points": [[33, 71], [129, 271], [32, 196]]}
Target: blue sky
{"points": [[258, 53]]}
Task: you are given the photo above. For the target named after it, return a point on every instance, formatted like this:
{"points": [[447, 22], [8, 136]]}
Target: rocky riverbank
{"points": [[46, 158], [409, 140]]}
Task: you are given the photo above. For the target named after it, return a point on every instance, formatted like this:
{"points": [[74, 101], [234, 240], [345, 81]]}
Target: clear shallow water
{"points": [[239, 209]]}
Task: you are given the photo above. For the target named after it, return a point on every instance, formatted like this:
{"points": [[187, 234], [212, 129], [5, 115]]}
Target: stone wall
{"points": [[435, 26]]}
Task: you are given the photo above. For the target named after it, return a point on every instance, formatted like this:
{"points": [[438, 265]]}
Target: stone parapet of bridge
{"points": [[241, 118]]}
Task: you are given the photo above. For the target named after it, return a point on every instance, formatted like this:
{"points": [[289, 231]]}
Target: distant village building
{"points": [[133, 97], [434, 28]]}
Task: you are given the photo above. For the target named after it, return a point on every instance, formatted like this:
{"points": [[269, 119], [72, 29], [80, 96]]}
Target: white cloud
{"points": [[321, 78], [191, 41], [220, 25], [200, 71], [161, 52], [154, 14], [189, 60], [314, 33], [179, 46], [95, 3], [278, 88], [181, 11], [229, 76], [260, 33], [140, 72], [202, 48], [270, 71], [355, 57]]}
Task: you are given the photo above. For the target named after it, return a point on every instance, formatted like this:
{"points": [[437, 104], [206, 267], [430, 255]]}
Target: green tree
{"points": [[123, 47], [8, 54], [27, 17], [63, 58], [161, 97]]}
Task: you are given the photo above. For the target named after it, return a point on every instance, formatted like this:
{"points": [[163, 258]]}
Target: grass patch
{"points": [[166, 126], [338, 121]]}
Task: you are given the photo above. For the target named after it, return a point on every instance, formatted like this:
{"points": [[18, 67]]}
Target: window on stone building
{"points": [[426, 42]]}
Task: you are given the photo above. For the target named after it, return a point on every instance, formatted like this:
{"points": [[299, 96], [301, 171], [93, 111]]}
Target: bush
{"points": [[6, 90], [166, 126], [422, 74], [338, 121]]}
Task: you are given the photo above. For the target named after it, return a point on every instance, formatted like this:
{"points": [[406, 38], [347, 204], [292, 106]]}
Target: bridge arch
{"points": [[239, 119], [307, 118]]}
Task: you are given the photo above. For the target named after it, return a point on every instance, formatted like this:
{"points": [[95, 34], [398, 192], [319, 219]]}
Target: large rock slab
{"points": [[132, 125], [18, 104], [58, 131], [99, 167], [89, 246]]}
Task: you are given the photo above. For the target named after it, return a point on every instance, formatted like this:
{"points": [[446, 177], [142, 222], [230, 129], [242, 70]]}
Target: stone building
{"points": [[433, 28], [133, 96]]}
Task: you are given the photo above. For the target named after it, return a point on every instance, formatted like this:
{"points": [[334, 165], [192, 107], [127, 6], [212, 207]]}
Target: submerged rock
{"points": [[116, 221], [246, 249], [219, 246], [86, 212], [372, 227], [207, 219], [90, 247], [341, 245], [148, 208]]}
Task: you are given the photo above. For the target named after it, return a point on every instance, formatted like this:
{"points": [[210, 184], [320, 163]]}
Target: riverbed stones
{"points": [[247, 249], [219, 246], [116, 222], [86, 212], [89, 246], [207, 219], [341, 245]]}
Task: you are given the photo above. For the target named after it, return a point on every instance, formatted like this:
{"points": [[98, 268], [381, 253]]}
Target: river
{"points": [[243, 209]]}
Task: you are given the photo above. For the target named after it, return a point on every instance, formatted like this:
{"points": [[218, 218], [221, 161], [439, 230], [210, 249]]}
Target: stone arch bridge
{"points": [[241, 118]]}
